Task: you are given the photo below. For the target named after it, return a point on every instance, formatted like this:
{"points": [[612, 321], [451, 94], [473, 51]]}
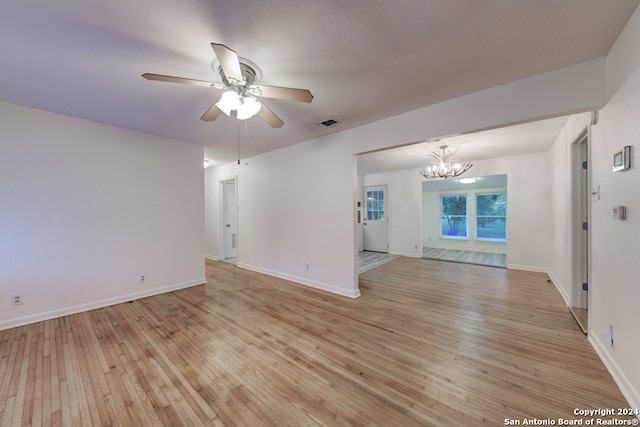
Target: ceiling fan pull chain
{"points": [[238, 121], [246, 138]]}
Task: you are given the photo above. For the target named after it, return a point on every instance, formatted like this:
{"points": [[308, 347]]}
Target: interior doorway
{"points": [[580, 224], [229, 220], [466, 221]]}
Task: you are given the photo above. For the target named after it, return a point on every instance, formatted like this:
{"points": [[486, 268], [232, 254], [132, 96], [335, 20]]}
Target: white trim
{"points": [[302, 281], [407, 254], [220, 243], [211, 257], [527, 268], [578, 198], [386, 220], [560, 288], [33, 318], [624, 384]]}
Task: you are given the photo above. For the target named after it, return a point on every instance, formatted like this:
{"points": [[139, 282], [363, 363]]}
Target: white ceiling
{"points": [[514, 140], [363, 60]]}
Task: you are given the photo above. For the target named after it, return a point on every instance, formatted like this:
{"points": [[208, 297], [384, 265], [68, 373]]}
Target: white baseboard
{"points": [[211, 257], [563, 293], [624, 384], [527, 268], [626, 387], [66, 311], [303, 281], [407, 254]]}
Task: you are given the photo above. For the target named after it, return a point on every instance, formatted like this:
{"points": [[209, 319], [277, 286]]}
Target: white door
{"points": [[229, 222], [376, 222]]}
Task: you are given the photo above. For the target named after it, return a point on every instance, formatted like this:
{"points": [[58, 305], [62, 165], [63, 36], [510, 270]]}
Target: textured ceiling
{"points": [[362, 60]]}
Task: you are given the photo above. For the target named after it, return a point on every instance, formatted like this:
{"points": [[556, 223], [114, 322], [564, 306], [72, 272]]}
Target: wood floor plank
{"points": [[428, 343]]}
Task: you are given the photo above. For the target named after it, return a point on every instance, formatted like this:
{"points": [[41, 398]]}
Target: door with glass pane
{"points": [[376, 221]]}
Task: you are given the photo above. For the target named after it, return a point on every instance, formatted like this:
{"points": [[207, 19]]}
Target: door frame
{"points": [[581, 213], [222, 239]]}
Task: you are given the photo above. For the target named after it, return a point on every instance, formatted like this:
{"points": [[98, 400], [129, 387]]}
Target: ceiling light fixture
{"points": [[245, 106], [470, 180], [445, 167]]}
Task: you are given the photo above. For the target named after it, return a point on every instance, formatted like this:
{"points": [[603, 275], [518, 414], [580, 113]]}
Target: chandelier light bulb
{"points": [[444, 167]]}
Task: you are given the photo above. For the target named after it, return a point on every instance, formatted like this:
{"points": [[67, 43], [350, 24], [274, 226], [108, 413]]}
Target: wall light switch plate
{"points": [[595, 193], [620, 212]]}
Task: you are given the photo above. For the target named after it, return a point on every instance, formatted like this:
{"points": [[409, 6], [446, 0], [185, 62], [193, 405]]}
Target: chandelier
{"points": [[444, 166]]}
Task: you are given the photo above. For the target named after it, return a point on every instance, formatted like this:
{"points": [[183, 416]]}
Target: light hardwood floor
{"points": [[427, 343], [368, 260], [469, 257], [582, 318]]}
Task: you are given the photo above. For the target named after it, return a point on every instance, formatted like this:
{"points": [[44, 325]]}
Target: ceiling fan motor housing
{"points": [[251, 73]]}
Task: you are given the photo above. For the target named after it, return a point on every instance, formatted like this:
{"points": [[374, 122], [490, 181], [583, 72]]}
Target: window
{"points": [[375, 205], [491, 216], [453, 218]]}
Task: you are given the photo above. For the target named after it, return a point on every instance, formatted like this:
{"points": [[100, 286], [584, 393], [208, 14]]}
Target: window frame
{"points": [[490, 239], [466, 216], [373, 206]]}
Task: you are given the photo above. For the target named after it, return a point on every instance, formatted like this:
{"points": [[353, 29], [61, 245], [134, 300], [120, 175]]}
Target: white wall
{"points": [[616, 244], [298, 204], [86, 208], [560, 259], [404, 209], [528, 218], [297, 209]]}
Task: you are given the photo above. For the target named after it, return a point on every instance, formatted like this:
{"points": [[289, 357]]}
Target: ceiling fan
{"points": [[239, 77]]}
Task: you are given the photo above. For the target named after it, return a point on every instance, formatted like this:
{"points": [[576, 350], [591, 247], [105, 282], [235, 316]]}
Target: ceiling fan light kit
{"points": [[244, 106], [239, 76], [444, 166], [228, 102], [249, 107]]}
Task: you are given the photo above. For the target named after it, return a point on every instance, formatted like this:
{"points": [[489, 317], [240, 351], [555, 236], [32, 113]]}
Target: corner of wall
{"points": [[561, 289], [303, 281], [67, 311]]}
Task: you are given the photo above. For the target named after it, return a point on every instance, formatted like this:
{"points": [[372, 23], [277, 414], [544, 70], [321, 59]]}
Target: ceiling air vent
{"points": [[326, 123]]}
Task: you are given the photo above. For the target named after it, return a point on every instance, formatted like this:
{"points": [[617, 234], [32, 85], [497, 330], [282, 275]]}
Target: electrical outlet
{"points": [[16, 299], [142, 279]]}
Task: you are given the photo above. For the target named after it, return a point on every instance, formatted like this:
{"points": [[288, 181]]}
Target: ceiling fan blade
{"points": [[268, 115], [211, 114], [291, 94], [229, 62], [182, 80]]}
